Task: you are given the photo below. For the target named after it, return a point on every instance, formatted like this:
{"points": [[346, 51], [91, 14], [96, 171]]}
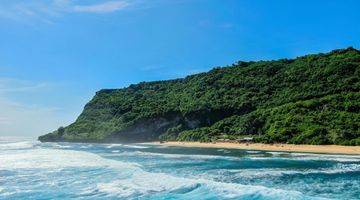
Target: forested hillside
{"points": [[312, 99]]}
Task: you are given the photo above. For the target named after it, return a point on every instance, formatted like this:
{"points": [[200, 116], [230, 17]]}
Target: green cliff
{"points": [[312, 99]]}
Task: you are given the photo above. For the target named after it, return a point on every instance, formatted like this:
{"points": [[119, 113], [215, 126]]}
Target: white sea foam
{"points": [[109, 146], [224, 150], [270, 172], [339, 158], [178, 156], [136, 146], [254, 156], [304, 157], [62, 146], [139, 183], [55, 158], [17, 145], [144, 183], [276, 153], [86, 146], [253, 152]]}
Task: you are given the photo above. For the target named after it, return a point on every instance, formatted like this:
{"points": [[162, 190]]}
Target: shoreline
{"points": [[323, 149]]}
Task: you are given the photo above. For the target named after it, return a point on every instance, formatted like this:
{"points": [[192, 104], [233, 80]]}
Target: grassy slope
{"points": [[312, 99]]}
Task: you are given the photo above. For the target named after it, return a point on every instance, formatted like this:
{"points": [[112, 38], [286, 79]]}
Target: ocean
{"points": [[34, 170]]}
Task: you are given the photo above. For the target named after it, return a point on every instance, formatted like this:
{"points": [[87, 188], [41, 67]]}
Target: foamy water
{"points": [[33, 170]]}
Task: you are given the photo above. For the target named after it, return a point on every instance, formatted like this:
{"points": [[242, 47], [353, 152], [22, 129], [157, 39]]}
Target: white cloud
{"points": [[47, 11], [16, 85], [106, 7]]}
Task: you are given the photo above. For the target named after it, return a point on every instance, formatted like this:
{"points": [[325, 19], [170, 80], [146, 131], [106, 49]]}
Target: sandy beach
{"points": [[327, 149]]}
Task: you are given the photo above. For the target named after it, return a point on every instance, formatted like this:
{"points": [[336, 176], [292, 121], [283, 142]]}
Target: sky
{"points": [[55, 54]]}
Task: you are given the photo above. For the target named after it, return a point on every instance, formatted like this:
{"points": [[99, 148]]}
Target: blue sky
{"points": [[55, 54]]}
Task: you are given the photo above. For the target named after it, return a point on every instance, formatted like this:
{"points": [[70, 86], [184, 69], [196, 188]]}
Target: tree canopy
{"points": [[312, 99]]}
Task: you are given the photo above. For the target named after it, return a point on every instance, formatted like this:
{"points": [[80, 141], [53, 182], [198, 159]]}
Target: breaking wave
{"points": [[55, 158], [17, 145], [143, 183], [57, 170]]}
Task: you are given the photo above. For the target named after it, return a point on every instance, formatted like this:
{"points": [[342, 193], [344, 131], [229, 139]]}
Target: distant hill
{"points": [[312, 99]]}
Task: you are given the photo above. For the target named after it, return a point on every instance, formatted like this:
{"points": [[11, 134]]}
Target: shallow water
{"points": [[33, 170]]}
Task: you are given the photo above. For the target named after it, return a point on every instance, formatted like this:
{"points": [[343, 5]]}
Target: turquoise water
{"points": [[31, 170]]}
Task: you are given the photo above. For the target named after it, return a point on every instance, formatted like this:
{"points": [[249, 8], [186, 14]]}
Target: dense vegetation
{"points": [[312, 99]]}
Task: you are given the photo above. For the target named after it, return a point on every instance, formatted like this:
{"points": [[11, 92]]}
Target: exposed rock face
{"points": [[146, 130]]}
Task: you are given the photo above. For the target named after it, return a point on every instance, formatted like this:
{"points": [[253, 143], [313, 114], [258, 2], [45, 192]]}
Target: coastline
{"points": [[323, 149]]}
